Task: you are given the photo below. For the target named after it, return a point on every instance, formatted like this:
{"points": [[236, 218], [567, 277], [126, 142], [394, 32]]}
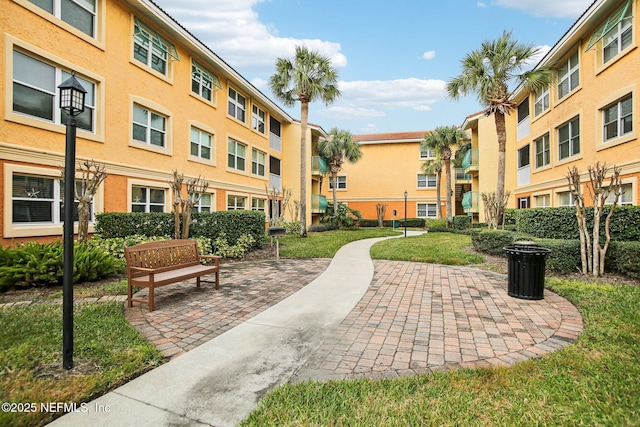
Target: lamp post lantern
{"points": [[405, 213], [72, 96]]}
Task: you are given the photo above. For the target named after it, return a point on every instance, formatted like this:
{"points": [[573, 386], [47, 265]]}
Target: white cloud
{"points": [[554, 8], [232, 29], [430, 54], [386, 94], [482, 4]]}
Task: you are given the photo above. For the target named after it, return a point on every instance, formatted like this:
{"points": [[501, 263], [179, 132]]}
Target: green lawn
{"points": [[435, 248], [326, 244]]}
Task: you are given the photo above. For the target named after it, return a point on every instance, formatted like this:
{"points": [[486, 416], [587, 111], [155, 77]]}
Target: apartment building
{"points": [[391, 165], [158, 100], [588, 114]]}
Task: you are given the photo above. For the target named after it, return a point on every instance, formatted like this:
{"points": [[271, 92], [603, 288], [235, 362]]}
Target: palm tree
{"points": [[337, 149], [487, 72], [441, 140], [434, 167], [307, 78]]}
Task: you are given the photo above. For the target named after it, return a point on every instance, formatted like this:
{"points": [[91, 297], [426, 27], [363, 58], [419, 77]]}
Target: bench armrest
{"points": [[215, 258]]}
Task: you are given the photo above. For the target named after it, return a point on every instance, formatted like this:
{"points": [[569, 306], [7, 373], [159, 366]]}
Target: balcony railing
{"points": [[275, 142], [470, 161], [318, 203], [470, 202], [461, 176], [319, 166], [275, 182]]}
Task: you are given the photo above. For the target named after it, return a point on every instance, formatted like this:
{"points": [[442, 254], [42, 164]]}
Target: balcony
{"points": [[319, 166], [461, 177], [470, 202], [275, 142], [318, 203], [275, 182], [470, 162]]}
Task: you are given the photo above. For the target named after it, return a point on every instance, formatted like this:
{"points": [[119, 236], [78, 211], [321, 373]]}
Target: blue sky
{"points": [[393, 57]]}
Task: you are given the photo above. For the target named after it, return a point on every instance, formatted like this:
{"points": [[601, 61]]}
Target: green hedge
{"points": [[561, 222], [461, 222], [624, 257], [493, 241], [232, 223]]}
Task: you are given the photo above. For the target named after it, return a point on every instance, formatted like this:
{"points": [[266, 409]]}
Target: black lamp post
{"points": [[405, 214], [72, 102]]}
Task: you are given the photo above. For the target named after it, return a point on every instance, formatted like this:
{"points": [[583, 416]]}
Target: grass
{"points": [[595, 381], [326, 244], [435, 248], [107, 353]]}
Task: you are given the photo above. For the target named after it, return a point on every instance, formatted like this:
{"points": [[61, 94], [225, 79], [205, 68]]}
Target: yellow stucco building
{"points": [[158, 100], [588, 114]]}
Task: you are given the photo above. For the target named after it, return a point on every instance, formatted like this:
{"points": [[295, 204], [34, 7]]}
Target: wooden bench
{"points": [[164, 262]]}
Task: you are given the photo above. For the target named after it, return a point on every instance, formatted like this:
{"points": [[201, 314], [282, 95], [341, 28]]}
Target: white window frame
{"points": [[57, 76], [521, 156], [148, 204], [233, 205], [258, 163], [427, 181], [148, 126], [341, 182], [571, 77], [617, 35], [56, 11], [205, 204], [258, 119], [545, 153], [429, 153], [619, 120], [427, 210], [203, 82], [237, 105], [560, 196], [545, 198], [236, 161], [197, 144], [572, 141], [627, 193], [258, 204], [541, 104]]}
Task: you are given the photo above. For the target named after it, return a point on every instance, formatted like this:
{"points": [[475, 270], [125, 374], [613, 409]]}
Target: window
{"points": [[619, 37], [429, 210], [38, 200], [523, 110], [542, 101], [568, 75], [235, 203], [149, 127], [523, 202], [543, 201], [565, 198], [204, 204], [258, 204], [543, 151], [341, 182], [236, 155], [427, 153], [151, 48], [201, 144], [237, 105], [426, 181], [202, 81], [618, 119], [523, 157], [626, 196], [258, 118], [80, 14], [569, 139], [35, 92], [258, 162], [147, 199]]}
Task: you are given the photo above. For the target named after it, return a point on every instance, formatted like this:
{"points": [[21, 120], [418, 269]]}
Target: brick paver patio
{"points": [[415, 318]]}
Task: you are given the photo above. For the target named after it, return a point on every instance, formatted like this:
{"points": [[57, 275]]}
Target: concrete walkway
{"points": [[356, 319]]}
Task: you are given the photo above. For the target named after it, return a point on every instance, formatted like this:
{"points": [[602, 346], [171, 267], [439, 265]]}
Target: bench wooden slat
{"points": [[164, 262]]}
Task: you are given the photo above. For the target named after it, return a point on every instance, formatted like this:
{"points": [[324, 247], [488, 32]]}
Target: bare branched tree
{"points": [[92, 175], [276, 216], [183, 206], [494, 208]]}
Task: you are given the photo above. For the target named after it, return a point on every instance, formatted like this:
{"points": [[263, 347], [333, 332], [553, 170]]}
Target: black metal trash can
{"points": [[526, 270]]}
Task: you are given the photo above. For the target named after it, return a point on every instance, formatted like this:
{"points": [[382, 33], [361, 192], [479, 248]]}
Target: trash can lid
{"points": [[526, 243]]}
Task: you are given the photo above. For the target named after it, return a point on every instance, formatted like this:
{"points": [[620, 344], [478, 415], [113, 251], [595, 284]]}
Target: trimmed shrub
{"points": [[412, 222], [115, 245], [564, 256], [292, 227], [479, 225], [624, 257], [461, 222], [561, 223], [370, 223], [319, 228], [510, 216], [493, 241], [120, 224], [242, 246]]}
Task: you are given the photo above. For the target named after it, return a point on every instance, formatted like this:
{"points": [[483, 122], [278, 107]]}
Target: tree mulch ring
{"points": [[56, 371]]}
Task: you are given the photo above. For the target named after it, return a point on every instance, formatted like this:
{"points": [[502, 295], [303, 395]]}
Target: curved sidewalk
{"points": [[358, 318]]}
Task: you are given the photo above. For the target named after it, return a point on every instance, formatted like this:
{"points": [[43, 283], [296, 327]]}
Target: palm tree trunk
{"points": [[501, 131], [334, 183], [304, 117], [447, 199], [438, 199]]}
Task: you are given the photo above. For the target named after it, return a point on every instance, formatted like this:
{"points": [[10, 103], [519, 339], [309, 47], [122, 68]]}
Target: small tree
{"points": [[92, 175], [434, 167], [182, 206], [592, 254], [492, 206], [381, 210], [273, 195]]}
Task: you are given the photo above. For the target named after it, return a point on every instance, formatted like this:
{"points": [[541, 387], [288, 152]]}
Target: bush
{"points": [[43, 264], [292, 227], [115, 245], [348, 217], [370, 223], [242, 246], [564, 256], [493, 241], [461, 222], [561, 223], [624, 257], [203, 224], [319, 228], [412, 222]]}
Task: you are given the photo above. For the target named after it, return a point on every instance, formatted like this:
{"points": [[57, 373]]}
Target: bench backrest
{"points": [[163, 253]]}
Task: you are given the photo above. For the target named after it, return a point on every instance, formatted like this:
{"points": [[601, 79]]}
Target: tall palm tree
{"points": [[337, 149], [487, 72], [442, 140], [308, 77], [434, 167]]}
